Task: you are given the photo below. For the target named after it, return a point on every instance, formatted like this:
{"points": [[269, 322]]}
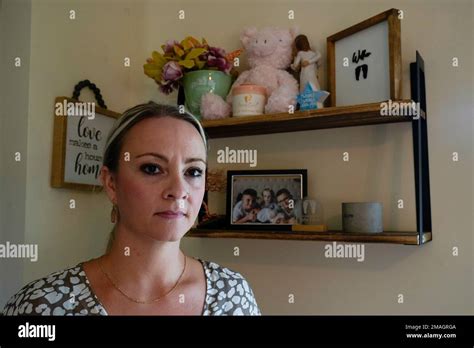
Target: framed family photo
{"points": [[265, 199]]}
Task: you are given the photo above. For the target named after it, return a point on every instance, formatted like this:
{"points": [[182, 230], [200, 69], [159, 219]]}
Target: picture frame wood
{"points": [[364, 61], [249, 208], [78, 144]]}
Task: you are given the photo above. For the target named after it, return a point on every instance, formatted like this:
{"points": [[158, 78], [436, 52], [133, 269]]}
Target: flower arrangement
{"points": [[168, 68]]}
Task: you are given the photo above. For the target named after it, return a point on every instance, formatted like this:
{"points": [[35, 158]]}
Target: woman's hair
{"points": [[136, 114], [130, 118], [302, 43]]}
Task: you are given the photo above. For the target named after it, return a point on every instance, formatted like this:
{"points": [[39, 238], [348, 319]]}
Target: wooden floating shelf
{"points": [[409, 238], [331, 117]]}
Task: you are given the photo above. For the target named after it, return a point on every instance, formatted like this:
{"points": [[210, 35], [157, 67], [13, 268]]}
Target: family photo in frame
{"points": [[265, 199]]}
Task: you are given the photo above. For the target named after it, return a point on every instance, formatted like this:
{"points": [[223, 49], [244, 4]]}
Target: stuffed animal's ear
{"points": [[294, 31], [247, 35]]}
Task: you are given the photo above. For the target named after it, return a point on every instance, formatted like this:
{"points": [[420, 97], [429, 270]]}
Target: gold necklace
{"points": [[141, 301]]}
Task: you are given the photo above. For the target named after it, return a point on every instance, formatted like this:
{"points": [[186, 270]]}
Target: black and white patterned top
{"points": [[68, 292]]}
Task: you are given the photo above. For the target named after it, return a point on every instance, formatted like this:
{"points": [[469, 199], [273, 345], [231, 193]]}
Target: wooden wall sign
{"points": [[80, 134], [365, 61]]}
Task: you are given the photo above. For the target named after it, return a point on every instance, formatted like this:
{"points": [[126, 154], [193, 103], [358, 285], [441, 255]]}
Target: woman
{"points": [[269, 206], [154, 174]]}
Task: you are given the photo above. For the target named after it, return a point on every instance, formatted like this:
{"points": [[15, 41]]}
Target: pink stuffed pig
{"points": [[269, 52]]}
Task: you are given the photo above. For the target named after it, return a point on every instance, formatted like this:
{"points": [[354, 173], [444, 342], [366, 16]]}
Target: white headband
{"points": [[131, 114]]}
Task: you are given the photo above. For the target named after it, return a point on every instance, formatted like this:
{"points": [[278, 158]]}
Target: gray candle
{"points": [[363, 217]]}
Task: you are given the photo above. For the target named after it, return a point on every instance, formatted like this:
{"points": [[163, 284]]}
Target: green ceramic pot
{"points": [[199, 82]]}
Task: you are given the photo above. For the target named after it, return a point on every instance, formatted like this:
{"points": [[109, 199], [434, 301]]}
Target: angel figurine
{"points": [[307, 60]]}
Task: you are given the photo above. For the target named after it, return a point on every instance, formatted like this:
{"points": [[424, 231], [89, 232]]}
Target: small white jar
{"points": [[248, 100]]}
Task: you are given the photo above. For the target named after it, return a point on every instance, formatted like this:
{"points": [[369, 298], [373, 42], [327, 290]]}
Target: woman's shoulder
{"points": [[228, 292], [64, 292]]}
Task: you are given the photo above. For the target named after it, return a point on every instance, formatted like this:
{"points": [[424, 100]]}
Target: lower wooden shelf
{"points": [[408, 238]]}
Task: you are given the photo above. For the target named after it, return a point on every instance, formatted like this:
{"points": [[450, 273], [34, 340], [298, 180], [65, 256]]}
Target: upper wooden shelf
{"points": [[409, 238], [331, 117]]}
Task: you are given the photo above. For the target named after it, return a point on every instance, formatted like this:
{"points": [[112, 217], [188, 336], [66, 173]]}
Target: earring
{"points": [[114, 214]]}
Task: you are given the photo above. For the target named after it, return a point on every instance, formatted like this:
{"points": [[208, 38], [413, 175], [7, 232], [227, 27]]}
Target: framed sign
{"points": [[80, 134], [265, 199], [364, 61]]}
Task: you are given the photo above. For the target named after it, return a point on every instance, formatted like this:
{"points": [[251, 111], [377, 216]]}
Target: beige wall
{"points": [[15, 18], [380, 168]]}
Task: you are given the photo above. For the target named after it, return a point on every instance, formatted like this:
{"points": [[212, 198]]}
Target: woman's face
{"points": [[159, 191], [267, 197]]}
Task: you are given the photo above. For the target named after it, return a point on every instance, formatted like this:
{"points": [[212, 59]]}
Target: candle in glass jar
{"points": [[248, 100]]}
